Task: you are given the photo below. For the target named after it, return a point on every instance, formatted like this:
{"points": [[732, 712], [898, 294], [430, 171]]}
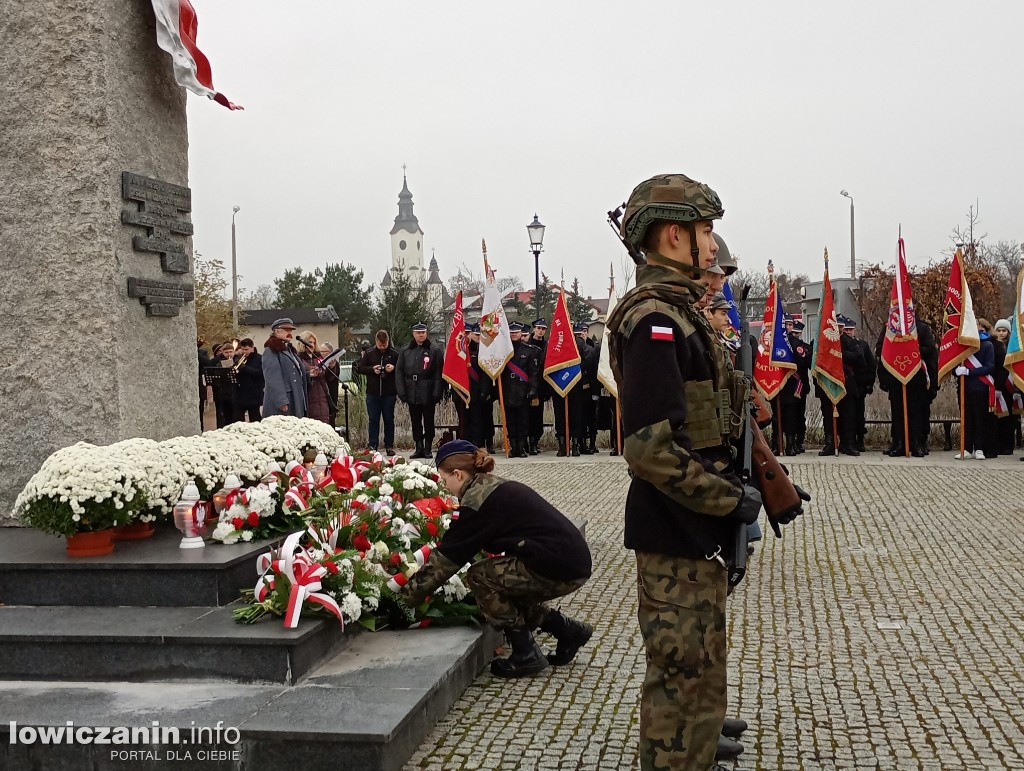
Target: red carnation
{"points": [[396, 558], [431, 528], [253, 519], [332, 567], [237, 522], [361, 542]]}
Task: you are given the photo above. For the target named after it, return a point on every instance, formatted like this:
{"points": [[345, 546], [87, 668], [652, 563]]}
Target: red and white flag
{"points": [[960, 337], [901, 353], [456, 357], [176, 29]]}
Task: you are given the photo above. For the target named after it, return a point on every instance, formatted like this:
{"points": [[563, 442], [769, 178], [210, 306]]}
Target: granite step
{"points": [[160, 644], [36, 570], [367, 709]]}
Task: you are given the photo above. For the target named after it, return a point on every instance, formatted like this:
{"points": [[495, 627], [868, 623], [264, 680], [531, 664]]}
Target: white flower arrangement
{"points": [[276, 443], [199, 459], [240, 457], [165, 476], [81, 488], [306, 434]]}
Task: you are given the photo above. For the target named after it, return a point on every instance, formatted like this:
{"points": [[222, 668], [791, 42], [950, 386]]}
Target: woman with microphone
{"points": [[285, 378], [319, 402]]}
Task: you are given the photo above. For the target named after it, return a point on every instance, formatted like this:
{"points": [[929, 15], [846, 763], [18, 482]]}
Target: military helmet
{"points": [[724, 258], [671, 198]]}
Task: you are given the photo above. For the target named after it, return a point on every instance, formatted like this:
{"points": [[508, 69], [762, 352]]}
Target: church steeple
{"points": [[406, 219]]}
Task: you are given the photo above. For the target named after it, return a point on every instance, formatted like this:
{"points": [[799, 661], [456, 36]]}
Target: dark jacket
{"points": [[866, 373], [418, 374], [520, 379], [204, 362], [384, 383], [285, 380], [927, 378], [498, 516], [249, 389], [986, 356], [319, 404], [797, 385], [481, 387]]}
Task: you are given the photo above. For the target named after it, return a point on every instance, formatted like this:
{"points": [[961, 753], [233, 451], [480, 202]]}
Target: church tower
{"points": [[407, 238]]}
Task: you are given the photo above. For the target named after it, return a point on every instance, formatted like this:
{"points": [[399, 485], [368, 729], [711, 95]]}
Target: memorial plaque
{"points": [[159, 208], [161, 298]]}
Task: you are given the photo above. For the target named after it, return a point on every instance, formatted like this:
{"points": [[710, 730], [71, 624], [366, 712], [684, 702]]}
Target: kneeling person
{"points": [[544, 557]]}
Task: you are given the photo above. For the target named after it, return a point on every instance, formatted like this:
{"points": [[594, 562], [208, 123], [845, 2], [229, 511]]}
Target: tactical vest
{"points": [[714, 408]]}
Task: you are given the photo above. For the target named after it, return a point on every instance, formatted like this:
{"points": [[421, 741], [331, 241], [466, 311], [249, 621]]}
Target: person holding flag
{"points": [[456, 366], [563, 371], [775, 362], [495, 339], [520, 382], [480, 415], [793, 397], [1014, 361], [827, 364]]}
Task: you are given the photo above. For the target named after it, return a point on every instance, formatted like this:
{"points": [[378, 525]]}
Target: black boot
{"points": [[593, 445], [561, 446], [570, 633], [586, 448], [733, 727], [527, 658], [614, 452], [828, 449], [534, 447], [790, 445], [846, 449], [897, 450], [575, 451], [418, 452], [728, 749], [522, 450]]}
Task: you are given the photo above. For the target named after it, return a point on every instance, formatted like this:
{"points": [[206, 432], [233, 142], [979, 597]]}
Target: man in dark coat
{"points": [[920, 390], [248, 396], [793, 397], [377, 365], [285, 379], [853, 360], [591, 391], [539, 341], [205, 360], [520, 381], [480, 415], [223, 390], [979, 383], [865, 376], [419, 384]]}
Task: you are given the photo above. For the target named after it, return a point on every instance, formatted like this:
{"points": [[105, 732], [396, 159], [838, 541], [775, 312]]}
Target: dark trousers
{"points": [[1006, 430], [859, 418], [979, 423], [537, 422], [590, 397], [245, 411], [422, 423], [480, 421], [225, 412], [918, 409], [576, 420], [518, 420], [793, 410], [847, 422], [378, 407], [462, 417]]}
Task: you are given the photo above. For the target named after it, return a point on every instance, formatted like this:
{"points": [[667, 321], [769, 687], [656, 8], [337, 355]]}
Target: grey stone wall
{"points": [[86, 94]]}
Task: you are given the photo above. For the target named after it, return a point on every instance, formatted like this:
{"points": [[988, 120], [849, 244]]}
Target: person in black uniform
{"points": [[590, 356], [793, 397], [921, 391], [865, 377], [479, 415], [543, 557], [248, 389], [205, 360], [419, 384], [538, 339], [853, 360], [520, 381], [801, 427]]}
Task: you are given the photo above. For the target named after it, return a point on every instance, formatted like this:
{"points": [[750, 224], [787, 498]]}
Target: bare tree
{"points": [[262, 297]]}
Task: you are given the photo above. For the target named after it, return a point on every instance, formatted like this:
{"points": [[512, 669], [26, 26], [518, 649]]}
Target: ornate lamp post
{"points": [[536, 231]]}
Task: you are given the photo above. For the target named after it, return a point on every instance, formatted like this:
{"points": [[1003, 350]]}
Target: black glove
{"points": [[749, 507], [787, 516]]}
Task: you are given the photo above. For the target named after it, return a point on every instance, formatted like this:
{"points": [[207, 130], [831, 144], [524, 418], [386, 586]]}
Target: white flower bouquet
{"points": [[82, 488], [163, 473]]}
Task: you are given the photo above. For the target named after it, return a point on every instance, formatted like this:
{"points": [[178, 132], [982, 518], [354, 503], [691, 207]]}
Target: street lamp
{"points": [[536, 231], [234, 272], [853, 251]]}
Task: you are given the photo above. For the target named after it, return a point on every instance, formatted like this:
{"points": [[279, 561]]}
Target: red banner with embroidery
{"points": [[901, 353], [456, 355], [959, 326], [769, 376]]}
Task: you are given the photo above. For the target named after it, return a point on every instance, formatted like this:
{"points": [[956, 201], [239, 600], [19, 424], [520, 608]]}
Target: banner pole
{"points": [[962, 415], [906, 425], [565, 401], [618, 427], [835, 428], [504, 425], [778, 433]]}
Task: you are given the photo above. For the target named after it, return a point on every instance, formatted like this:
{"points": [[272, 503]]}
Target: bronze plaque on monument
{"points": [[160, 206]]}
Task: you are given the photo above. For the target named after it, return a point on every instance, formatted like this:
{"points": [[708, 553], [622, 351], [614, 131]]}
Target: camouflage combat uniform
{"points": [[545, 556], [680, 402]]}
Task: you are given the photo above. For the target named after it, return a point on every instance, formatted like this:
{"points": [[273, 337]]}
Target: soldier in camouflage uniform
{"points": [[681, 406], [543, 556]]}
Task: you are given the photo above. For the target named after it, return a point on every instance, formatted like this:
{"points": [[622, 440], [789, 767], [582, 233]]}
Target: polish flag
{"points": [[176, 29]]}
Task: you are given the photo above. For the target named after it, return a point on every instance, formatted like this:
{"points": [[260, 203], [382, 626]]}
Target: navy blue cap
{"points": [[456, 447], [419, 327], [472, 327], [541, 323], [580, 326], [285, 322], [515, 326], [849, 323], [798, 326], [787, 317]]}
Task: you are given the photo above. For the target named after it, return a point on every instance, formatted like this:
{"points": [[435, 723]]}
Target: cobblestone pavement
{"points": [[884, 631]]}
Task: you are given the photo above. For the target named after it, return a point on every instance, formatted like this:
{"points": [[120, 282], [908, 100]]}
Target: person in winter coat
{"points": [[521, 382], [248, 396], [318, 406], [419, 384], [979, 386], [853, 362], [378, 365], [285, 378], [1007, 425], [540, 556]]}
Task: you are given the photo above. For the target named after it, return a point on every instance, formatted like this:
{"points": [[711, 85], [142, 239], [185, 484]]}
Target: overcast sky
{"points": [[501, 110]]}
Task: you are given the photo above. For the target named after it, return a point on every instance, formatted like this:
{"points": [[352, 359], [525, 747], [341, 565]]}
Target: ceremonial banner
{"points": [[495, 341], [827, 359], [1014, 361], [901, 354], [604, 366], [775, 362], [456, 355], [959, 326], [176, 29], [732, 333], [562, 359]]}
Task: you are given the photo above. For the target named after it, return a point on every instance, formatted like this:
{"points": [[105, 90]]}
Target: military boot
{"points": [[418, 452], [575, 451], [570, 633], [733, 727], [522, 450], [728, 749], [790, 444], [527, 658], [534, 447], [561, 446], [828, 449], [593, 445]]}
